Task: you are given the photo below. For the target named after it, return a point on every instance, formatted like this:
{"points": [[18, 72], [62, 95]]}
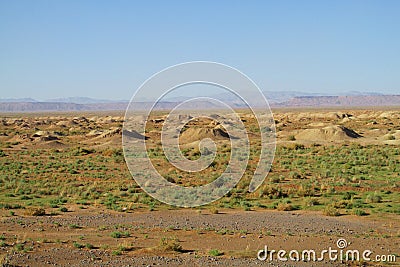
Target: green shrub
{"points": [[170, 244], [215, 252], [19, 247], [118, 234], [373, 198], [35, 211], [74, 226], [348, 195], [330, 210], [117, 252], [391, 137], [305, 190], [359, 212], [272, 192], [310, 202], [284, 207], [78, 245], [214, 210], [63, 209]]}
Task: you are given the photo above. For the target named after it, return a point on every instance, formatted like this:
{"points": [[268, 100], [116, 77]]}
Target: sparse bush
{"points": [[341, 204], [310, 202], [170, 244], [78, 245], [330, 210], [19, 247], [275, 179], [359, 212], [118, 234], [348, 195], [284, 207], [32, 211], [373, 198], [116, 252], [391, 137], [295, 146], [215, 252], [214, 210], [305, 190], [295, 175], [63, 209], [298, 146], [272, 192]]}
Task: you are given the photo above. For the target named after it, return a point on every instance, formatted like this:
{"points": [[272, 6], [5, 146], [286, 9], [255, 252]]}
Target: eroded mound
{"points": [[134, 134], [329, 133], [194, 134]]}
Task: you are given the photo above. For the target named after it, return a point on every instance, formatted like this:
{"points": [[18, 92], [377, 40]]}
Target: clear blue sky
{"points": [[106, 49]]}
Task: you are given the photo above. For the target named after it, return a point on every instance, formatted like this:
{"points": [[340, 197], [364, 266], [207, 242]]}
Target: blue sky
{"points": [[106, 49]]}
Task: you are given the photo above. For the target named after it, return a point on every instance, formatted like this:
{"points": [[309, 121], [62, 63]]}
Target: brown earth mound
{"points": [[195, 134], [47, 138], [134, 134], [50, 144], [111, 132], [330, 133]]}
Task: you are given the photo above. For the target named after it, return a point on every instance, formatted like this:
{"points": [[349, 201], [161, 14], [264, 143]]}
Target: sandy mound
{"points": [[94, 133], [318, 115], [191, 135], [51, 144], [99, 134], [47, 138], [390, 115], [108, 120], [67, 123], [80, 120], [391, 136], [25, 126], [316, 124], [134, 134], [330, 133], [20, 138], [44, 136], [41, 133]]}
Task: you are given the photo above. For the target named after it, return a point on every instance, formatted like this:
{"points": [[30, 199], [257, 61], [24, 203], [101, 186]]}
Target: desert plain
{"points": [[68, 198]]}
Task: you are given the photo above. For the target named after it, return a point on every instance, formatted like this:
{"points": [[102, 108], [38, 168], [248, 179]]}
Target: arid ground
{"points": [[67, 197]]}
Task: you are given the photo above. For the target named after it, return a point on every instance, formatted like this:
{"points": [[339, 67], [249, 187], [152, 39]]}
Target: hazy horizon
{"points": [[179, 96], [106, 50]]}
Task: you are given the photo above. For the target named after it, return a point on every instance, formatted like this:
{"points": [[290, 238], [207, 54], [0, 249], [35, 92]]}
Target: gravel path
{"points": [[310, 229]]}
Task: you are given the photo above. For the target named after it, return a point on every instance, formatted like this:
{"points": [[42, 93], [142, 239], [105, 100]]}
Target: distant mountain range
{"points": [[10, 100], [74, 100], [83, 100], [276, 99], [342, 101]]}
